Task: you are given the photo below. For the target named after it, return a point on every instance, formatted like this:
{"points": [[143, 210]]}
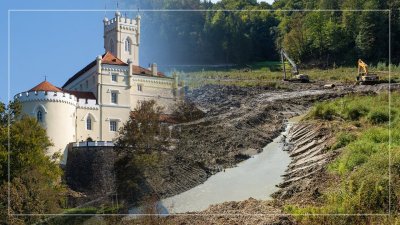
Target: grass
{"points": [[269, 73], [92, 210], [362, 137]]}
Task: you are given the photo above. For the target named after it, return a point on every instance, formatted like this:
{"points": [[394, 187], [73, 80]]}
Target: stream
{"points": [[255, 177]]}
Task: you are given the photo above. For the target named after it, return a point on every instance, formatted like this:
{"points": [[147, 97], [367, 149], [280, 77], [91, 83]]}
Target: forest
{"points": [[316, 33]]}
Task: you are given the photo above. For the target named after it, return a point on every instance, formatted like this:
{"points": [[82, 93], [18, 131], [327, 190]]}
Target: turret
{"points": [[55, 110], [122, 37]]}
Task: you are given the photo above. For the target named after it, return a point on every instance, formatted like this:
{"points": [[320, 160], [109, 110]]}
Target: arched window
{"points": [[111, 46], [89, 123], [39, 115], [128, 45]]}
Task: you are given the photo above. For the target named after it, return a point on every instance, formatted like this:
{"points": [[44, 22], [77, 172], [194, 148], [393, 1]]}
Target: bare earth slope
{"points": [[308, 143], [239, 122]]}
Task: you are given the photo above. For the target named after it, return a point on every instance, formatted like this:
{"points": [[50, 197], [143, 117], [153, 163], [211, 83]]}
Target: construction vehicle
{"points": [[295, 75], [363, 76]]}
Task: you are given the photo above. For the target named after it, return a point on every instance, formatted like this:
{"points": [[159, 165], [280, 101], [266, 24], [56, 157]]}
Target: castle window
{"points": [[114, 97], [140, 87], [128, 45], [87, 84], [80, 87], [111, 46], [89, 123], [114, 77], [113, 125], [93, 79], [39, 116]]}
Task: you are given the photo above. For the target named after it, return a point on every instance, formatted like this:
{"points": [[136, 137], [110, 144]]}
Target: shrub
{"points": [[356, 113], [343, 139], [378, 117], [381, 66], [323, 112]]}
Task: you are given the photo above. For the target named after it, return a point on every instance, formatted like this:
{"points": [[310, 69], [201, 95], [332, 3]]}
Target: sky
{"points": [[52, 44]]}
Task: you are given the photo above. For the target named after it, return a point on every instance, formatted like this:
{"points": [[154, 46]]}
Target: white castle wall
{"points": [[59, 115], [82, 132], [153, 88]]}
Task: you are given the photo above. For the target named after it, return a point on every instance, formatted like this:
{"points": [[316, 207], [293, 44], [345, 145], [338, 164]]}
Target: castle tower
{"points": [[54, 110], [122, 37]]}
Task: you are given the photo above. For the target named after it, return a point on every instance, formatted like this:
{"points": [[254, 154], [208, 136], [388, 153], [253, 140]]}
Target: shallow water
{"points": [[255, 177]]}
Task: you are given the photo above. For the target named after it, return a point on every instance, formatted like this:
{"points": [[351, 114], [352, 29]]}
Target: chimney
{"points": [[153, 69]]}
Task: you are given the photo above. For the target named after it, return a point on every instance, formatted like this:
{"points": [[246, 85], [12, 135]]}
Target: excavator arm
{"points": [[295, 71], [284, 56], [363, 76], [362, 67]]}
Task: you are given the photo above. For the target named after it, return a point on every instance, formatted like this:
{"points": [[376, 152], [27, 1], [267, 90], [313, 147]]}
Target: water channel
{"points": [[256, 177]]}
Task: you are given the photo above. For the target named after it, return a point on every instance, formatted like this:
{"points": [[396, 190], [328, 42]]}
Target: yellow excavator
{"points": [[363, 76], [295, 76]]}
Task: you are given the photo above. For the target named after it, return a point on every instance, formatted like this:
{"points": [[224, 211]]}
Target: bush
{"points": [[323, 112], [343, 140], [356, 113], [378, 117], [381, 66]]}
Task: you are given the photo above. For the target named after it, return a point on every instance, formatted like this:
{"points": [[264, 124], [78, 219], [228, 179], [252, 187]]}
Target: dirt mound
{"points": [[310, 152]]}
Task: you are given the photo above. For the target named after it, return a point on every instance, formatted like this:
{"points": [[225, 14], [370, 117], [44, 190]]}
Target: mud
{"points": [[246, 117], [239, 122]]}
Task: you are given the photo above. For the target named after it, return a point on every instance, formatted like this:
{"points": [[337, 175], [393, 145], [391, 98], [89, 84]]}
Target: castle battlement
{"points": [[46, 96], [53, 96], [91, 107], [124, 23], [88, 103]]}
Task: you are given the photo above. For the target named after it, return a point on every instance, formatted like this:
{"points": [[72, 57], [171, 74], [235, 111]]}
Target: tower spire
{"points": [[105, 9]]}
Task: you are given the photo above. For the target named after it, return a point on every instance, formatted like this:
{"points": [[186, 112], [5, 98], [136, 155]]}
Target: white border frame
{"points": [[190, 10]]}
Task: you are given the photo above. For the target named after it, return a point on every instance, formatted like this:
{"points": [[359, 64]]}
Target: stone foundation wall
{"points": [[90, 170]]}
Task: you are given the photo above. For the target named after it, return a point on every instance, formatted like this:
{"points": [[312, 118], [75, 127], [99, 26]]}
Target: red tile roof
{"points": [[138, 70], [109, 58], [45, 86]]}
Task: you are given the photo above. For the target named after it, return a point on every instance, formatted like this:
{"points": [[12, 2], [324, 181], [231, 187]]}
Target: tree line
{"points": [[316, 38]]}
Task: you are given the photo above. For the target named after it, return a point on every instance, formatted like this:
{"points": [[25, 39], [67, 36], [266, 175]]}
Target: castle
{"points": [[95, 102]]}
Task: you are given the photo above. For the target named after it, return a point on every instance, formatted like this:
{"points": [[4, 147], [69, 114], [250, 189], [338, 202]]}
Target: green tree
{"points": [[138, 147], [35, 178]]}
